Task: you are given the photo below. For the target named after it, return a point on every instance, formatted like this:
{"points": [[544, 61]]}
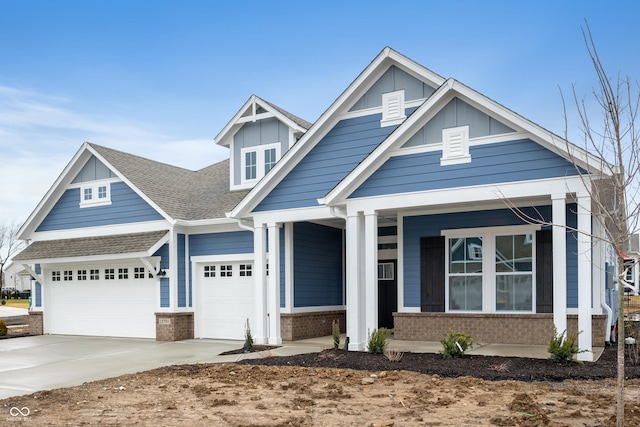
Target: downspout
{"points": [[603, 303]]}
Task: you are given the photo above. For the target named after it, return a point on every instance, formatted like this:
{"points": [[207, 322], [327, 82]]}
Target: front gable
{"points": [[257, 136]]}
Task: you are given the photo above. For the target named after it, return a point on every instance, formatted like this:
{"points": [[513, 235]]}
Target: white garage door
{"points": [[115, 301], [226, 299]]}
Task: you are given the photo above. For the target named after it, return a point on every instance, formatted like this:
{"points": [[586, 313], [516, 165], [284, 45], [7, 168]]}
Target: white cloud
{"points": [[39, 135]]}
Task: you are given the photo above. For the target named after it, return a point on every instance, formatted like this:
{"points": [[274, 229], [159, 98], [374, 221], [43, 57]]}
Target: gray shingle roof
{"points": [[181, 193], [90, 246], [302, 122]]}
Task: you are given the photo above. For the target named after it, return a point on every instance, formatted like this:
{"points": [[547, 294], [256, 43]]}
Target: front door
{"points": [[387, 293]]}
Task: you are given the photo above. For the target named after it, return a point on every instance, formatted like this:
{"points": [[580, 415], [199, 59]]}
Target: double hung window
{"points": [[258, 160]]}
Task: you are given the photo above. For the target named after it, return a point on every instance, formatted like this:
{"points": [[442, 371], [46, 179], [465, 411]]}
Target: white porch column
{"points": [[559, 219], [273, 285], [584, 277], [371, 270], [173, 271], [356, 332], [599, 274], [259, 262]]}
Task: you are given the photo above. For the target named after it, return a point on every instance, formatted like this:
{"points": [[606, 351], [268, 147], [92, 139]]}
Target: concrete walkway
{"points": [[45, 362]]}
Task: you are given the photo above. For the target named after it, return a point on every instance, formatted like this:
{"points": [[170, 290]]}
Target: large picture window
{"points": [[490, 270]]}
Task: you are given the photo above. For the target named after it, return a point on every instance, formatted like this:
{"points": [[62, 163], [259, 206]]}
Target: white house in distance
{"points": [[390, 210]]}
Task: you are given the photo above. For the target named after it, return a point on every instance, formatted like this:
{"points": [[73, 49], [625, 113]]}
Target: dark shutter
{"points": [[432, 274], [544, 271]]}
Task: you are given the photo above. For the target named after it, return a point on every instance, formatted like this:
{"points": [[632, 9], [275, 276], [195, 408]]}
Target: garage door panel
{"points": [[119, 308], [226, 302]]}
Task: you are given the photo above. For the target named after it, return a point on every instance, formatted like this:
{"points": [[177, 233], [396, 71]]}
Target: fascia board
{"points": [[278, 115], [219, 139], [92, 258], [378, 156], [131, 185], [384, 59], [54, 192]]}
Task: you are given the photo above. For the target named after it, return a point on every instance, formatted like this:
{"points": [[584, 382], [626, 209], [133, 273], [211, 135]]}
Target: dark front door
{"points": [[387, 293]]}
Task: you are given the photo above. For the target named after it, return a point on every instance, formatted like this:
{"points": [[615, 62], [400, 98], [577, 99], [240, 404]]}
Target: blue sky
{"points": [[160, 79]]}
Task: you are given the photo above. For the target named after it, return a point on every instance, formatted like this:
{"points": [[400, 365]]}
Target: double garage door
{"points": [[225, 293], [101, 300]]}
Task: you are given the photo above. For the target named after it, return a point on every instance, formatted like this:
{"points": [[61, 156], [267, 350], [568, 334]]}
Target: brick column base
{"points": [[35, 323], [174, 326]]}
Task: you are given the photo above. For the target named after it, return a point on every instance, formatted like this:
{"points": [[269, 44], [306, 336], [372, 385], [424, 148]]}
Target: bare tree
{"points": [[614, 138], [613, 181], [9, 246]]}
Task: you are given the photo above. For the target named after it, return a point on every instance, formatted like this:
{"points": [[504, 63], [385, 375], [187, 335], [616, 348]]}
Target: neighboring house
{"points": [[404, 205]]}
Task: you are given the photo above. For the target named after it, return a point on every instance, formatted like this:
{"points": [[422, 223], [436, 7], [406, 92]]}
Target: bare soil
{"points": [[339, 388]]}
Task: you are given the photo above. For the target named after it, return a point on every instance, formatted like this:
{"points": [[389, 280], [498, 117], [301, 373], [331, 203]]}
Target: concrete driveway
{"points": [[45, 362]]}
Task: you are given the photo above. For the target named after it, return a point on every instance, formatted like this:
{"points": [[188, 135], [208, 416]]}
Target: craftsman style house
{"points": [[413, 202]]}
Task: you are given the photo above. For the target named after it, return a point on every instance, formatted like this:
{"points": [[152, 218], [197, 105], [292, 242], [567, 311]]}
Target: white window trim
{"points": [[455, 146], [489, 286], [260, 161], [393, 108], [95, 201]]}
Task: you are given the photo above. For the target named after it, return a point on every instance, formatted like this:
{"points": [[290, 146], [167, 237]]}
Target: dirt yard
{"points": [[253, 394]]}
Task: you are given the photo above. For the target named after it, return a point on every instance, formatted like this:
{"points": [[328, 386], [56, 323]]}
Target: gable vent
{"points": [[455, 146], [392, 108]]}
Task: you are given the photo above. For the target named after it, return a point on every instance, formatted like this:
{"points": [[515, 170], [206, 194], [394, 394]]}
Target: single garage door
{"points": [[115, 301], [226, 299]]}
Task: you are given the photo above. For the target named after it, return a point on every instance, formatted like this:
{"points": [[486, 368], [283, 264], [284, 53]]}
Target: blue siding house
{"points": [[413, 202]]}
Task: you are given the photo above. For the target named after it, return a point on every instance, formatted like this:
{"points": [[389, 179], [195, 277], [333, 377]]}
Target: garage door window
{"points": [[68, 275], [123, 273], [226, 270], [94, 274], [209, 271], [245, 270], [82, 274], [55, 276], [109, 274]]}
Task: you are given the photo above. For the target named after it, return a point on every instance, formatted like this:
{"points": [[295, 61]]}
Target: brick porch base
{"points": [[299, 326], [535, 329], [174, 326]]}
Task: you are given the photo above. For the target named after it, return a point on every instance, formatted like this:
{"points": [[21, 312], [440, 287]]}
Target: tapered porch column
{"points": [[259, 261], [371, 270], [356, 327], [273, 285], [584, 277], [559, 219]]}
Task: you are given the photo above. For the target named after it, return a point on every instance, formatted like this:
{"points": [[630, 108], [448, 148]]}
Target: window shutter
{"points": [[432, 274], [544, 271]]}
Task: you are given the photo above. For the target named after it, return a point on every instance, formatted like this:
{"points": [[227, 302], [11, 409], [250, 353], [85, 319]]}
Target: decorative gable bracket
{"points": [[455, 146]]}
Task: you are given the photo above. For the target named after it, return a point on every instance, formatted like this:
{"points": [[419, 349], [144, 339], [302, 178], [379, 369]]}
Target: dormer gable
{"points": [[257, 137], [94, 181]]}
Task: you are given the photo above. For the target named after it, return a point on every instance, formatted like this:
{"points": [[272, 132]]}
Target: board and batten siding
{"points": [[126, 207], [512, 161], [317, 260], [335, 155], [416, 227]]}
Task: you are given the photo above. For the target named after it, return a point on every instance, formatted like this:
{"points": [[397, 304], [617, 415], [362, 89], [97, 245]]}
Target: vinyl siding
{"points": [[317, 258], [416, 227], [519, 160], [126, 207], [239, 242], [163, 253], [344, 146]]}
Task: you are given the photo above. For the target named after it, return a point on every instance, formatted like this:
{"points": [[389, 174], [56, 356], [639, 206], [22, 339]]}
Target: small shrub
{"points": [[3, 328], [377, 341], [563, 349], [335, 333], [248, 339], [4, 301], [393, 355], [455, 344]]}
